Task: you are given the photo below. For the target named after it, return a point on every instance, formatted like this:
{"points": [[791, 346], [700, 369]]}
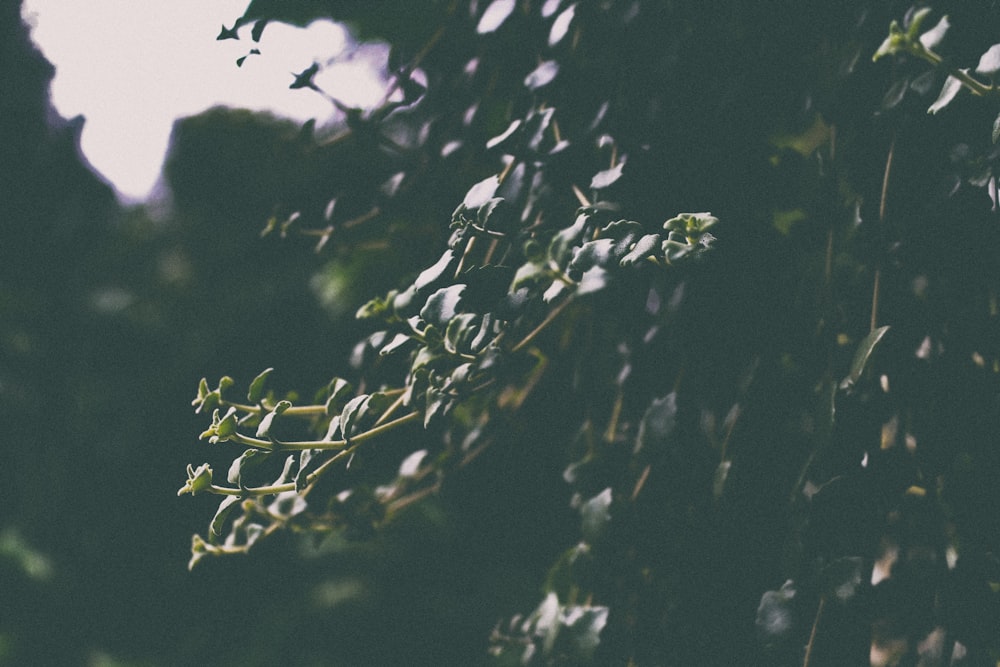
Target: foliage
{"points": [[568, 432], [814, 402]]}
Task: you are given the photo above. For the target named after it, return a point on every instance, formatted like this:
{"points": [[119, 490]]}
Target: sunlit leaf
{"points": [[989, 62], [933, 37], [257, 386], [481, 192], [862, 356], [542, 75], [949, 90], [495, 15], [442, 305], [225, 507], [596, 515], [608, 177], [560, 27], [657, 425]]}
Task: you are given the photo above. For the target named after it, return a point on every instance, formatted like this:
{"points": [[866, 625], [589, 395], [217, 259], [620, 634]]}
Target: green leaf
{"points": [[776, 614], [442, 305], [596, 515], [989, 62], [542, 75], [933, 37], [506, 139], [582, 630], [481, 192], [350, 413], [949, 90], [461, 330], [397, 341], [199, 479], [593, 280], [608, 177], [247, 459], [438, 404], [494, 16], [916, 20], [842, 578], [225, 507], [599, 253], [257, 386], [645, 247], [561, 246], [411, 464], [657, 425], [286, 471], [339, 389], [264, 428], [996, 130], [862, 356]]}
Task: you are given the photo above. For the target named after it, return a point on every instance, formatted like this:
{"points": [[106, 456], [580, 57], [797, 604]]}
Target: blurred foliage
{"points": [[563, 431]]}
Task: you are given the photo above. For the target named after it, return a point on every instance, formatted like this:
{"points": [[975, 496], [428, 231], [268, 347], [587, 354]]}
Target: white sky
{"points": [[131, 67]]}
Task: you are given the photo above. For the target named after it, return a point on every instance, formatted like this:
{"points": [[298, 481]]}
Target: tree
{"points": [[760, 435]]}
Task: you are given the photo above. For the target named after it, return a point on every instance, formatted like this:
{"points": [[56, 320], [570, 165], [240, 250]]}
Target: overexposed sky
{"points": [[131, 67]]}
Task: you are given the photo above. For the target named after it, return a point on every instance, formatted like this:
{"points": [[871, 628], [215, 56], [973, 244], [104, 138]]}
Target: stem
{"points": [[275, 489], [541, 327], [974, 85], [812, 633], [373, 432], [293, 411], [881, 222]]}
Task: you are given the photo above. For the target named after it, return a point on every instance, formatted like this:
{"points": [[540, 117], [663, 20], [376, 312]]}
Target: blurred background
{"points": [[111, 309]]}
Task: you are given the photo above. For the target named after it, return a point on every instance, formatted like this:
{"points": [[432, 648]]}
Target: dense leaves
{"points": [[812, 399], [581, 422]]}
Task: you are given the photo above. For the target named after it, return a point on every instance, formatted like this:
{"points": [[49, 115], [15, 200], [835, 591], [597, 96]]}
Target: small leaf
{"points": [[596, 514], [398, 341], [989, 63], [495, 15], [429, 275], [949, 90], [264, 428], [286, 471], [228, 33], [304, 79], [996, 130], [199, 479], [917, 20], [603, 179], [645, 247], [862, 356], [481, 192], [561, 25], [657, 425], [933, 37], [719, 479], [236, 468], [542, 75], [593, 280], [776, 615], [842, 578], [442, 305], [225, 507], [411, 464], [505, 136], [350, 413], [561, 246], [257, 386], [339, 389]]}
